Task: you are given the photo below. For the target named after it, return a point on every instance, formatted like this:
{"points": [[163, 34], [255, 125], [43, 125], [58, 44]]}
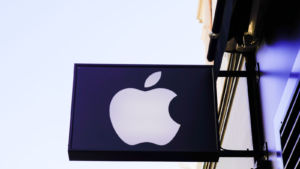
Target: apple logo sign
{"points": [[143, 116]]}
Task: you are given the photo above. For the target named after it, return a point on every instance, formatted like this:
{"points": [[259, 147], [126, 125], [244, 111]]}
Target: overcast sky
{"points": [[40, 40]]}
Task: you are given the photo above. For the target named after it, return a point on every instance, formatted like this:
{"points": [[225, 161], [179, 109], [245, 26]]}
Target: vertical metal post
{"points": [[254, 105]]}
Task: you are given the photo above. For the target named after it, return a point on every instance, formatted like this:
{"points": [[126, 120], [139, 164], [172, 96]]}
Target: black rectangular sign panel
{"points": [[143, 113]]}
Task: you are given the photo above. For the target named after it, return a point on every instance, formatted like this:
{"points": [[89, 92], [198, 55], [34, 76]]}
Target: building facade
{"points": [[262, 37]]}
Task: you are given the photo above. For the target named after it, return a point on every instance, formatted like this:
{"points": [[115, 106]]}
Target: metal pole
{"points": [[254, 105], [242, 154]]}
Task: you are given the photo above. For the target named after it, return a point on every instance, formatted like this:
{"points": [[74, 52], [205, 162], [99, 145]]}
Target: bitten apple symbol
{"points": [[143, 116]]}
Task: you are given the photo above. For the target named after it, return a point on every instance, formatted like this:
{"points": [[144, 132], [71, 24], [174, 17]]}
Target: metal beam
{"points": [[233, 74], [238, 74], [242, 154], [254, 106]]}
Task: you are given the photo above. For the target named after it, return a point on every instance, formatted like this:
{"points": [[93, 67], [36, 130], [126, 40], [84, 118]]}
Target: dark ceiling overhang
{"points": [[230, 22]]}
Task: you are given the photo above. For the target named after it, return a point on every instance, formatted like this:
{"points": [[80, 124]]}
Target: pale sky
{"points": [[40, 40]]}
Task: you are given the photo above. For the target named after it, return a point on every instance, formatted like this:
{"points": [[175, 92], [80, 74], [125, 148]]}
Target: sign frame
{"points": [[96, 155]]}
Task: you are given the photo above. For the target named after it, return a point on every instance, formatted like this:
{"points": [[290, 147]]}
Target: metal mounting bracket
{"points": [[265, 148], [246, 153], [264, 163], [213, 35], [257, 70]]}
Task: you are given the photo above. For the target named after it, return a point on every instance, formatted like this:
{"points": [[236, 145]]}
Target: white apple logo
{"points": [[143, 116]]}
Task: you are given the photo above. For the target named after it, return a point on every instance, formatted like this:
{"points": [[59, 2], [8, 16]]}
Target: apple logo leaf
{"points": [[152, 79]]}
